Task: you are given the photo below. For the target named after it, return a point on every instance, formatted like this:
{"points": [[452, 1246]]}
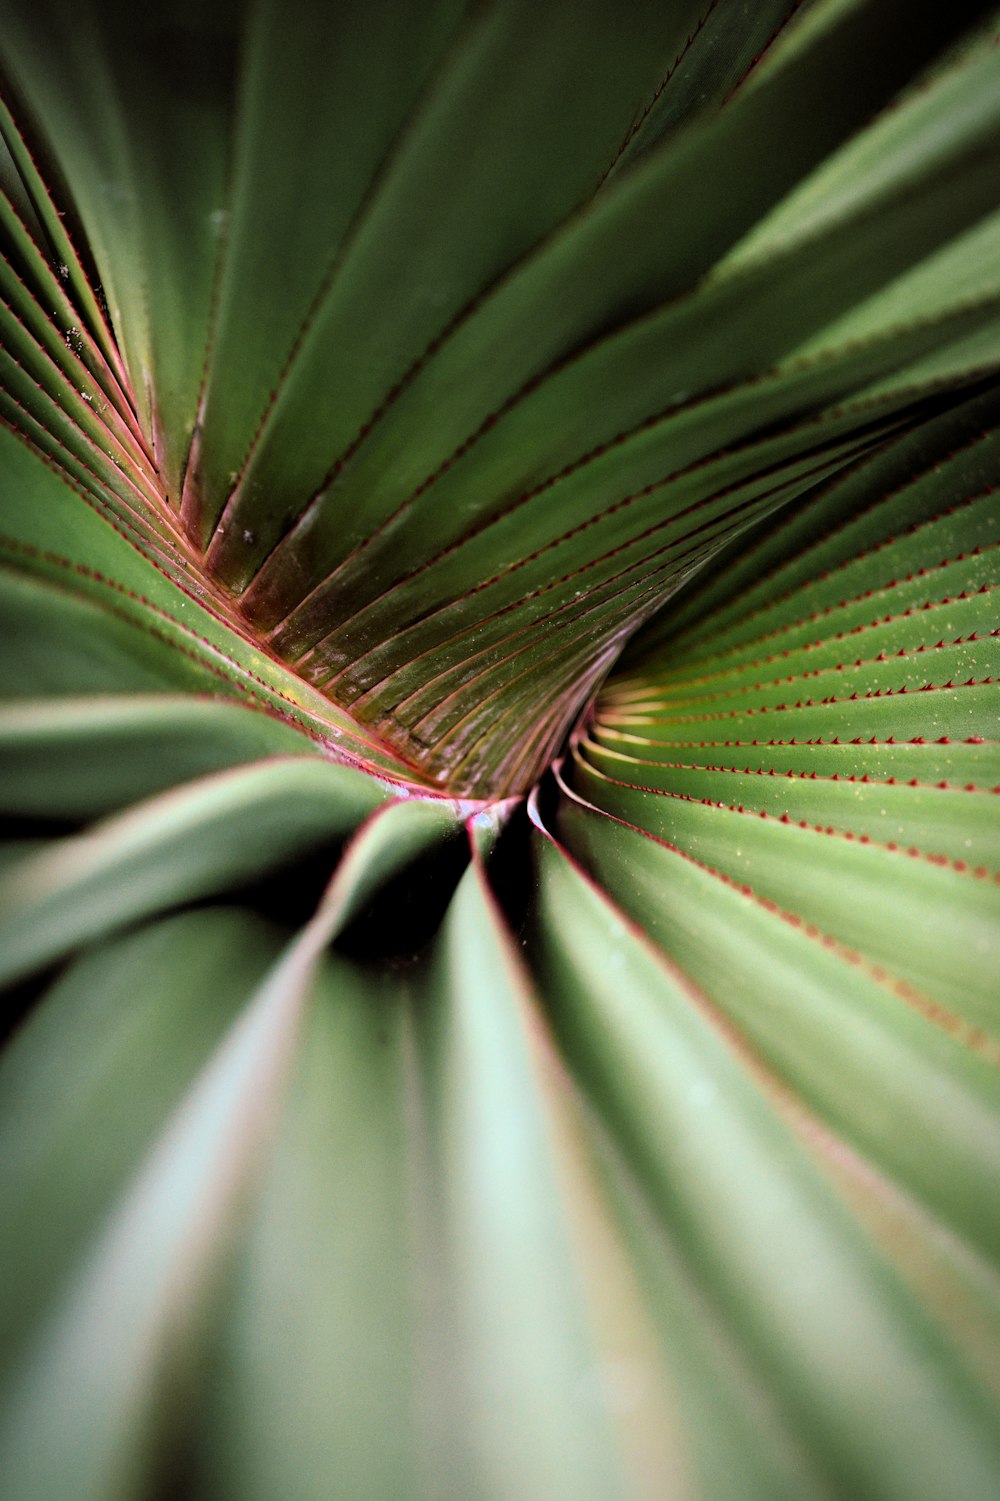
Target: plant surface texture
{"points": [[499, 897]]}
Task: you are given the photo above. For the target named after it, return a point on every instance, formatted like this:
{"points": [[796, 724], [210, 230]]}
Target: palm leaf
{"points": [[499, 906]]}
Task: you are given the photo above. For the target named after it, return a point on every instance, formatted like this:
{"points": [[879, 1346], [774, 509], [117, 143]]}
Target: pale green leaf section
{"points": [[941, 820], [90, 1080], [80, 757], [311, 1390], [889, 1411], [919, 131], [515, 1320], [141, 1293], [931, 1083], [194, 841], [144, 1293], [821, 749], [966, 268], [460, 1266]]}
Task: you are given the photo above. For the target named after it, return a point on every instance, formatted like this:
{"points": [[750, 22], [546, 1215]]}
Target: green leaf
{"points": [[194, 841], [499, 855], [92, 1077], [771, 1239], [79, 757]]}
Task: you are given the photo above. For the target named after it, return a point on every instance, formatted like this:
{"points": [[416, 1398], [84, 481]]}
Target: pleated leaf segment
{"points": [[500, 866]]}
